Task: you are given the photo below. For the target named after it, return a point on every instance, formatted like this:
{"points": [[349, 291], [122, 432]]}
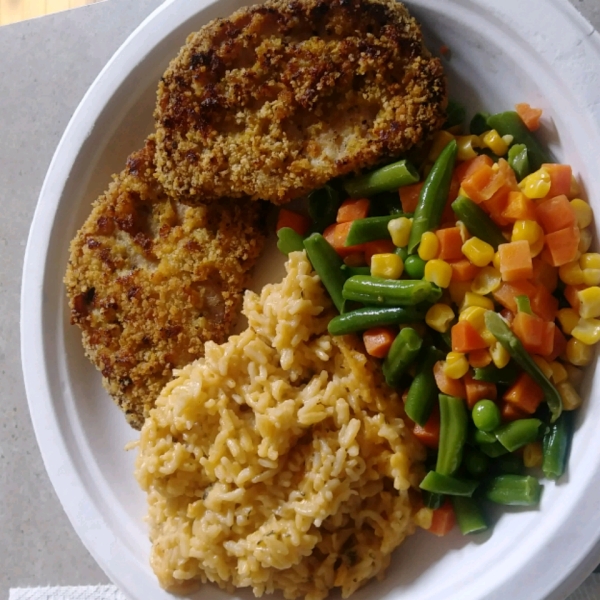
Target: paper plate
{"points": [[540, 52]]}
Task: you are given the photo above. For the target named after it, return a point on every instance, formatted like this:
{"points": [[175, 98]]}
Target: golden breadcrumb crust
{"points": [[279, 98], [150, 280]]}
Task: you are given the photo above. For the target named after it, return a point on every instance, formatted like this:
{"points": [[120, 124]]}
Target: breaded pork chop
{"points": [[150, 280], [281, 97]]}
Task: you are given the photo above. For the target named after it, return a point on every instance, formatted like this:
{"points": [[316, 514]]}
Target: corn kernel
{"points": [[496, 261], [544, 366], [440, 140], [536, 185], [587, 331], [590, 260], [464, 232], [488, 280], [488, 337], [575, 375], [559, 373], [495, 143], [387, 266], [473, 299], [530, 231], [439, 317], [456, 365], [509, 139], [568, 319], [570, 398], [589, 299], [500, 355], [578, 353], [429, 247], [571, 273], [439, 272], [575, 189], [478, 252], [400, 231], [536, 248], [533, 455], [423, 518], [475, 315], [583, 212], [457, 290], [466, 145], [591, 277], [585, 240]]}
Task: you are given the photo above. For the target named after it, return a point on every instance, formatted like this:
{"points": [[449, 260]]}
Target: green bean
{"points": [[480, 437], [387, 292], [508, 463], [518, 159], [433, 196], [518, 433], [328, 266], [385, 179], [491, 373], [453, 434], [403, 254], [365, 318], [423, 391], [432, 501], [468, 513], [349, 271], [501, 331], [556, 447], [414, 266], [387, 203], [523, 304], [513, 490], [289, 241], [486, 415], [493, 450], [323, 205], [479, 124], [475, 462], [509, 123], [369, 230], [437, 483], [455, 114], [403, 352], [478, 222]]}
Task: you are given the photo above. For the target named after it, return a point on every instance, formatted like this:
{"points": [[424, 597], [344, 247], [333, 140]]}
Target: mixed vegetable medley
{"points": [[466, 268]]}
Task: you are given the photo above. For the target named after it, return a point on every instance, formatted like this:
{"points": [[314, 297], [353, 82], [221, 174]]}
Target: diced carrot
{"points": [[555, 213], [409, 197], [515, 260], [480, 358], [467, 168], [465, 338], [377, 247], [496, 205], [508, 315], [560, 179], [478, 390], [559, 345], [353, 209], [446, 385], [336, 235], [525, 394], [288, 218], [378, 341], [463, 270], [519, 208], [443, 519], [530, 116], [545, 274], [482, 184], [536, 335], [570, 293], [563, 245], [356, 259], [507, 292], [429, 434], [510, 412], [450, 243], [543, 303]]}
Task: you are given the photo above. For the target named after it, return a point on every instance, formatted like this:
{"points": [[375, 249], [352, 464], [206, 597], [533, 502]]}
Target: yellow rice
{"points": [[280, 460]]}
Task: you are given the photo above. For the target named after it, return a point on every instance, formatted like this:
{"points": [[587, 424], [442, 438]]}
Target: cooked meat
{"points": [[281, 97], [150, 280]]}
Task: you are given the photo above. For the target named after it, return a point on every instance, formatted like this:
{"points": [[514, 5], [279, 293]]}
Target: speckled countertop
{"points": [[46, 65]]}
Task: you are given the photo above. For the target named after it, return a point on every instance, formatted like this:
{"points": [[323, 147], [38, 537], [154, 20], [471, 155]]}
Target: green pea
{"points": [[486, 415], [414, 266], [475, 462]]}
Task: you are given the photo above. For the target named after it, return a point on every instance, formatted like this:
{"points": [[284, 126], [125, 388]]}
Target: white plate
{"points": [[538, 51]]}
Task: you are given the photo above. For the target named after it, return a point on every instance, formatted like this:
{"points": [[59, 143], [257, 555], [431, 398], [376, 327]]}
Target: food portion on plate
{"points": [[151, 279], [281, 97]]}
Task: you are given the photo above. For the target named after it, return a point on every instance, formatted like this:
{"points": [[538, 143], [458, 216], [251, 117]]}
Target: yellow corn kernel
{"points": [[591, 277], [473, 299], [568, 319], [429, 247], [423, 518], [590, 260], [575, 189], [439, 317], [478, 252], [583, 212], [590, 302], [457, 290], [488, 280], [456, 365], [578, 353], [496, 261], [544, 366], [585, 240], [500, 356], [530, 231], [509, 139], [464, 232], [400, 231], [533, 455], [559, 373], [587, 331], [488, 337], [475, 315], [536, 185], [466, 146], [440, 140], [387, 266], [495, 143], [570, 398], [575, 375], [571, 273], [439, 272], [536, 248]]}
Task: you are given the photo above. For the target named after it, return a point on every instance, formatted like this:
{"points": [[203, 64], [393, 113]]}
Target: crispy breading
{"points": [[150, 280], [279, 98]]}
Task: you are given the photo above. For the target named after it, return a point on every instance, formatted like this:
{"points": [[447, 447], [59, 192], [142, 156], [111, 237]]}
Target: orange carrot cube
{"points": [[515, 261]]}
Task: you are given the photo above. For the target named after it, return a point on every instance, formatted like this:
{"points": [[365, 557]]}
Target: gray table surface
{"points": [[49, 62]]}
